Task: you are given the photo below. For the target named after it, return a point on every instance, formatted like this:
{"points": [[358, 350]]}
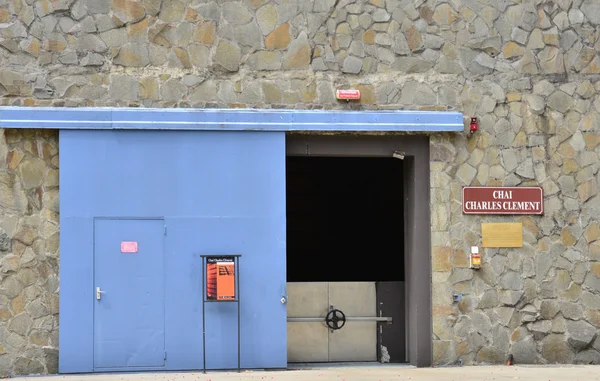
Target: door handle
{"points": [[98, 292]]}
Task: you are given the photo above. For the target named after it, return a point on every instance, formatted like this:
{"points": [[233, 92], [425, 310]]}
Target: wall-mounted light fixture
{"points": [[473, 126], [398, 155]]}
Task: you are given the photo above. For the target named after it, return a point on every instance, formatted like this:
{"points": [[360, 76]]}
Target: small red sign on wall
{"points": [[348, 94], [129, 247]]}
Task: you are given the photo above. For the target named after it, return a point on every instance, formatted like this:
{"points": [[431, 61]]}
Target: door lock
{"points": [[98, 292]]}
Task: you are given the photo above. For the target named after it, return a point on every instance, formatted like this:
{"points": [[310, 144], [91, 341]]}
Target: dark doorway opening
{"points": [[345, 219], [345, 226]]}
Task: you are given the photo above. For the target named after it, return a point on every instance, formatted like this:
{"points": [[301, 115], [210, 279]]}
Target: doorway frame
{"points": [[417, 226]]}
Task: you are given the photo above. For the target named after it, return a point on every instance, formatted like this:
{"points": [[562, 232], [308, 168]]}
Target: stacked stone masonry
{"points": [[28, 252], [529, 69]]}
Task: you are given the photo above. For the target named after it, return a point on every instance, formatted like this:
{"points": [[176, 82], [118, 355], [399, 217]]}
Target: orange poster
{"points": [[220, 278]]}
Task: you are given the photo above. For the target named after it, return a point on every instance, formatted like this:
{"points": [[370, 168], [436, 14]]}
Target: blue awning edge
{"points": [[229, 119]]}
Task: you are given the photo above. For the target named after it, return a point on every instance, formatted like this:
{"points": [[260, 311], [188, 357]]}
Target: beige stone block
{"points": [[298, 53], [272, 93], [593, 67], [413, 37], [466, 173], [17, 305], [444, 15], [476, 157], [527, 64], [538, 154], [442, 258], [511, 50], [138, 30], [592, 140], [205, 33], [460, 259], [444, 352], [567, 237], [592, 233], [5, 315], [279, 38], [473, 142], [149, 88], [440, 277], [531, 224], [513, 96], [31, 172], [441, 311], [228, 55], [439, 217], [566, 150], [570, 166], [594, 251], [441, 238], [483, 174], [13, 159], [593, 316], [39, 338], [551, 37], [440, 195], [573, 293], [257, 3], [587, 190], [369, 37], [441, 326]]}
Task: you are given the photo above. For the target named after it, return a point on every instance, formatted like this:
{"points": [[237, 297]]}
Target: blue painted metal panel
{"points": [[129, 312], [230, 119], [75, 339], [264, 331], [219, 192]]}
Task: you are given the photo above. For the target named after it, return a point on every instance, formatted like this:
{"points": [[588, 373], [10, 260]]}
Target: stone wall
{"points": [[528, 69], [28, 252], [541, 302]]}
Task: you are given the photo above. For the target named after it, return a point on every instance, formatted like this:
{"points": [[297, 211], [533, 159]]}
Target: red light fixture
{"points": [[474, 126]]}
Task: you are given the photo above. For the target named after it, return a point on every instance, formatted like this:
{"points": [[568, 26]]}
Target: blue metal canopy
{"points": [[228, 119]]}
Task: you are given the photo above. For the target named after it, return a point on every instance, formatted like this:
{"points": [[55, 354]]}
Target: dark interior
{"points": [[345, 219]]}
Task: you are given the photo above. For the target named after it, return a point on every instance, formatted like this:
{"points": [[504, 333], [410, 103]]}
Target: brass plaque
{"points": [[502, 235]]}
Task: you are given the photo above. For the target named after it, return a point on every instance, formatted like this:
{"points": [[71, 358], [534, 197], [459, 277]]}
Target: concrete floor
{"points": [[361, 373]]}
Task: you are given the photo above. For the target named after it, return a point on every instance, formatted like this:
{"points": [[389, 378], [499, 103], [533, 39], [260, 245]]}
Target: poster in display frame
{"points": [[224, 269]]}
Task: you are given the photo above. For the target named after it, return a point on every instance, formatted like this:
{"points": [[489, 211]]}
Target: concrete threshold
{"points": [[357, 372]]}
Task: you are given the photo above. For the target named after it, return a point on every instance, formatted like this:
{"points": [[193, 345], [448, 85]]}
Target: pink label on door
{"points": [[129, 247]]}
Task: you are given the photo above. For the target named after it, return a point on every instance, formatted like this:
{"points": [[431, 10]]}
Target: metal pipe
{"points": [[203, 317], [316, 319], [239, 307]]}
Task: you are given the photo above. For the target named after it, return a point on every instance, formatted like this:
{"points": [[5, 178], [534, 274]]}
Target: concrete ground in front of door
{"points": [[359, 373]]}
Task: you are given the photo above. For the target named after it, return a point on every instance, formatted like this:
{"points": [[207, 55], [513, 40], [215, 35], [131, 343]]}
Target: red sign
{"points": [[348, 94], [503, 200], [129, 247]]}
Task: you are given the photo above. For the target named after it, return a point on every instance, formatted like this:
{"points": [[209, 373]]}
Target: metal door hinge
{"points": [[165, 229], [165, 355]]}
